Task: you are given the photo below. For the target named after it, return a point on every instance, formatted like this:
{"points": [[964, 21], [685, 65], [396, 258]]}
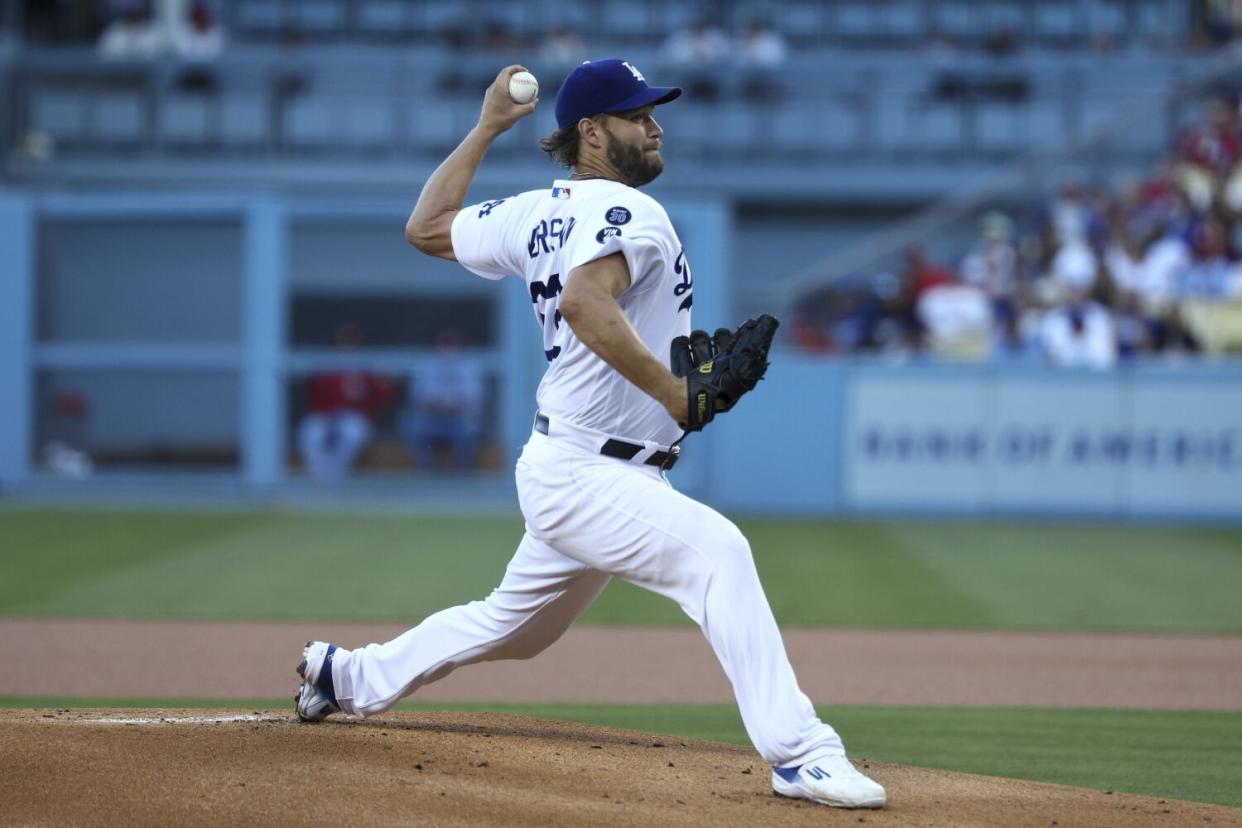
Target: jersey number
{"points": [[543, 296]]}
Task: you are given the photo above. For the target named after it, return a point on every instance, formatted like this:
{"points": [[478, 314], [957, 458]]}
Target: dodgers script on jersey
{"points": [[542, 235]]}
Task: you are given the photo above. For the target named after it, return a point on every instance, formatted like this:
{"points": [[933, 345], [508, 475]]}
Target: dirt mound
{"points": [[196, 767]]}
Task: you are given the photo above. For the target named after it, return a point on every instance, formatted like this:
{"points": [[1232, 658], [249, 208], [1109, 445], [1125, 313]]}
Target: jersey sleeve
{"points": [[480, 235], [632, 225]]}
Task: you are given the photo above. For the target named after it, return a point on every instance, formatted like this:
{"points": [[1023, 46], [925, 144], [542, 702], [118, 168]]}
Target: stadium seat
{"points": [[244, 120], [117, 117], [1057, 20], [257, 16], [384, 17], [320, 17], [999, 128], [59, 113], [312, 121], [184, 119]]}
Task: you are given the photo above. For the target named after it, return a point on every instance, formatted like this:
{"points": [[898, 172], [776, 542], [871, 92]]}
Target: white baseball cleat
{"points": [[829, 780], [316, 698]]}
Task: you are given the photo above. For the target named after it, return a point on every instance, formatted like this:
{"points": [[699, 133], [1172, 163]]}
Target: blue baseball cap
{"points": [[606, 86]]}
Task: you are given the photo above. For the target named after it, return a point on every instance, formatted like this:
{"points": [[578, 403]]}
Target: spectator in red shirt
{"points": [[343, 409]]}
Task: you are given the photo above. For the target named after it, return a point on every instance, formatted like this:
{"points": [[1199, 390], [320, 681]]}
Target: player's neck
{"points": [[588, 169]]}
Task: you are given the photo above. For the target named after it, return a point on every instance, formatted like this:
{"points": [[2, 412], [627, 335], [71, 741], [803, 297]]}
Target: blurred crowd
{"points": [[1095, 276], [725, 28], [351, 414], [130, 29]]}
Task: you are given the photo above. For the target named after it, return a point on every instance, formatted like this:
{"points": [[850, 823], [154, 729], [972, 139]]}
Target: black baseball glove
{"points": [[720, 368]]}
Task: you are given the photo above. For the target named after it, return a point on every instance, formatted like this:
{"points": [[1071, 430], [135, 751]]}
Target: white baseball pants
{"points": [[589, 518]]}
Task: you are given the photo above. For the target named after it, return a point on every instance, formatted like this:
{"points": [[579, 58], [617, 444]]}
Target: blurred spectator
{"points": [[499, 37], [1207, 153], [1073, 216], [808, 335], [1219, 21], [1012, 339], [199, 37], [1074, 267], [1164, 264], [343, 408], [699, 49], [760, 45], [445, 408], [958, 321], [134, 34], [1079, 334], [64, 452], [920, 275], [1209, 273], [563, 45], [763, 51], [991, 266], [701, 42]]}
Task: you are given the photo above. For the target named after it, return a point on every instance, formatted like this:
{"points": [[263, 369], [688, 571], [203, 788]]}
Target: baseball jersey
{"points": [[542, 235]]}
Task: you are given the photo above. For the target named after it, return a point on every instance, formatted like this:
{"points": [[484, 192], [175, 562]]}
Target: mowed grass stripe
{"points": [[280, 565], [1087, 576], [1188, 755]]}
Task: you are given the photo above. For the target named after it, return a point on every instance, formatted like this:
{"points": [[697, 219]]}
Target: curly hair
{"points": [[562, 145]]}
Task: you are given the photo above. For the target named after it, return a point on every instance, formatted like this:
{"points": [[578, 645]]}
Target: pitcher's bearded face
{"points": [[634, 146]]}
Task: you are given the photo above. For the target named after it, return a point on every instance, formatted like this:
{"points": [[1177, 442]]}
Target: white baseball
{"points": [[523, 87]]}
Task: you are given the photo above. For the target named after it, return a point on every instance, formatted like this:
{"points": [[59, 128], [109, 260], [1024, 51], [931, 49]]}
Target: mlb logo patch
{"points": [[560, 192]]}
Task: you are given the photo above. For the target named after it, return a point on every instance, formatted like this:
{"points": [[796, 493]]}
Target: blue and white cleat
{"points": [[317, 697], [829, 780]]}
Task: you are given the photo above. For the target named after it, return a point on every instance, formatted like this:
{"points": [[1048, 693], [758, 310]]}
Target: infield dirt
{"points": [[196, 767]]}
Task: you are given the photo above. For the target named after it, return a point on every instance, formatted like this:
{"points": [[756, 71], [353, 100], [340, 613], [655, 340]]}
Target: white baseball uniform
{"points": [[590, 516]]}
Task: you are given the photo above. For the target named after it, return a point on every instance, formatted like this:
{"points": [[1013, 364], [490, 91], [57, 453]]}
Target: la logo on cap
{"points": [[637, 74]]}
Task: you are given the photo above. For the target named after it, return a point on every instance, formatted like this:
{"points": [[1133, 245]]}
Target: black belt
{"points": [[620, 449]]}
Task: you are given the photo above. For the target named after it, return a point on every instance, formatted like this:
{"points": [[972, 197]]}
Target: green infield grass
{"points": [[1176, 754], [263, 564]]}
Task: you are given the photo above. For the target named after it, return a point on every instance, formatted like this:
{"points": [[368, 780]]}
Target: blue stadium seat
{"points": [[382, 16], [312, 121], [441, 127], [954, 19], [1106, 18], [1044, 124], [1058, 20], [858, 20], [320, 16], [258, 16], [631, 20], [118, 117], [931, 128], [59, 113], [184, 119], [999, 128], [1157, 20], [800, 20], [1002, 16], [905, 18], [243, 120], [367, 122]]}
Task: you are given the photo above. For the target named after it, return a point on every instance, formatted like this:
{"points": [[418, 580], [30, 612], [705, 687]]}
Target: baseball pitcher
{"points": [[611, 291]]}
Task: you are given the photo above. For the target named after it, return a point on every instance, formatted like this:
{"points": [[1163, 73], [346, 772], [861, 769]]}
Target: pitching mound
{"points": [[196, 767]]}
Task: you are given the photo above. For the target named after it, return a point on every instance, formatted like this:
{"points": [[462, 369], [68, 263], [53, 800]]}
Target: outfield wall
{"points": [[1150, 441], [177, 317]]}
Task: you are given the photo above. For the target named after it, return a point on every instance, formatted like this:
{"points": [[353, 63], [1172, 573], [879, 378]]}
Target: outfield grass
{"points": [[1176, 754], [162, 564]]}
